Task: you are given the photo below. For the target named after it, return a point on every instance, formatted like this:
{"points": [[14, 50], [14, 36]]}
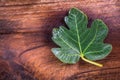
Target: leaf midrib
{"points": [[78, 35]]}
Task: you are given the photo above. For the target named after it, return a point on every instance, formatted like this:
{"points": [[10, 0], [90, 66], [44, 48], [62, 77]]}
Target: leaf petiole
{"points": [[91, 62]]}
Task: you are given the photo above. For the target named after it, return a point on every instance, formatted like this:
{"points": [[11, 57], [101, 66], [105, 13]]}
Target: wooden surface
{"points": [[25, 40]]}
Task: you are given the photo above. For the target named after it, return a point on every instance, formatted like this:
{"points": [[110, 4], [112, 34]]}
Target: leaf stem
{"points": [[91, 62]]}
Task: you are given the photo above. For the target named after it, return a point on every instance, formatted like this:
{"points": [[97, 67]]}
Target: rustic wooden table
{"points": [[25, 40]]}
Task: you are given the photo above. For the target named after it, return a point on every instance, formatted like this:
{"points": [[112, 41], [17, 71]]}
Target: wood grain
{"points": [[25, 40]]}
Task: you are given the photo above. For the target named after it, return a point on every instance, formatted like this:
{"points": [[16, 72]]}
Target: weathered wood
{"points": [[25, 39]]}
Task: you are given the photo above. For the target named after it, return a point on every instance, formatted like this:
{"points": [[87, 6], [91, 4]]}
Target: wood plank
{"points": [[25, 39]]}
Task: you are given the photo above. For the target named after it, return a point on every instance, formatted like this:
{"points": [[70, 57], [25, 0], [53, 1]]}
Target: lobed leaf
{"points": [[79, 41]]}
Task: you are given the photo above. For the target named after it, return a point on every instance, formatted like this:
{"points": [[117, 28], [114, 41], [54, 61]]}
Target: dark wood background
{"points": [[25, 40]]}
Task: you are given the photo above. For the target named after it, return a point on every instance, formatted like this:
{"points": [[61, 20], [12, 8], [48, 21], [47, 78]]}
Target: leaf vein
{"points": [[69, 45], [91, 41], [69, 36]]}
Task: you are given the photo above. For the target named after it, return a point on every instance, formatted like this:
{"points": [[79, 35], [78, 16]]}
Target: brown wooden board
{"points": [[25, 40]]}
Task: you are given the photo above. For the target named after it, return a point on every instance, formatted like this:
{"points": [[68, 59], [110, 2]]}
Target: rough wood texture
{"points": [[25, 40]]}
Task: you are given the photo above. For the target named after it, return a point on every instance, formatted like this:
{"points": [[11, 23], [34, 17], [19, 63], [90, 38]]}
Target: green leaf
{"points": [[77, 41]]}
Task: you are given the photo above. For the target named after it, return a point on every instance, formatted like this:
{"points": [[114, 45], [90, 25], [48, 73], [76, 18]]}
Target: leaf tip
{"points": [[74, 10], [54, 30]]}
